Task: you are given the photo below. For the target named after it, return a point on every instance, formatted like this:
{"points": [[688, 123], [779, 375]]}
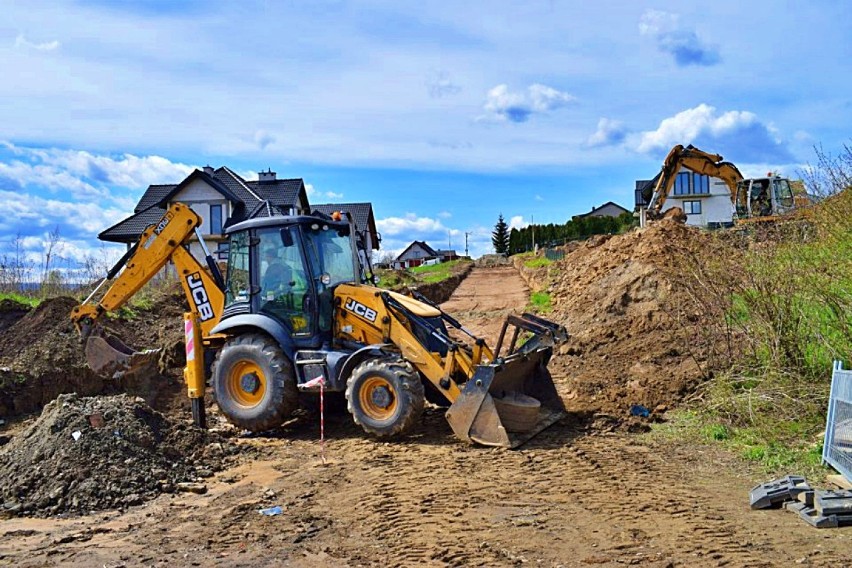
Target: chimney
{"points": [[266, 177], [208, 169]]}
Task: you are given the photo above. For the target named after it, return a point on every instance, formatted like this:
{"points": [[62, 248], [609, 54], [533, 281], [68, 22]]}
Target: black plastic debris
{"points": [[778, 491], [834, 502], [828, 509]]}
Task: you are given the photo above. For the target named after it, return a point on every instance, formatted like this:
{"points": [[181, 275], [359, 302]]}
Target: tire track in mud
{"points": [[411, 499]]}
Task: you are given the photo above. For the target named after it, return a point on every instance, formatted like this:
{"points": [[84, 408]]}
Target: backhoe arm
{"points": [[694, 160], [156, 246]]}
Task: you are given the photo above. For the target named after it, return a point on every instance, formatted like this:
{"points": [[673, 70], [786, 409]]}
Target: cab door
{"points": [[285, 290]]}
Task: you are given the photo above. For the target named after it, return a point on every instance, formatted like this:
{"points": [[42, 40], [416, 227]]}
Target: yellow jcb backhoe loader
{"points": [[295, 307]]}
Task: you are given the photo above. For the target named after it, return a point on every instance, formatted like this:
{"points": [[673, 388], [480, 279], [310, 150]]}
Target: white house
{"points": [[705, 200]]}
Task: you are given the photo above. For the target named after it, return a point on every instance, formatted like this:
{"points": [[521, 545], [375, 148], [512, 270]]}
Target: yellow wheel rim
{"points": [[378, 398], [246, 383]]}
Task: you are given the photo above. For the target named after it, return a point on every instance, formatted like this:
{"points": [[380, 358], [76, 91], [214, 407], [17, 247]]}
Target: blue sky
{"points": [[443, 115]]}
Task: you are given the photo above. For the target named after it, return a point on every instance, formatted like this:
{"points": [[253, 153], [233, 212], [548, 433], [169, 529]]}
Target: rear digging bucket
{"points": [[109, 357], [508, 403]]}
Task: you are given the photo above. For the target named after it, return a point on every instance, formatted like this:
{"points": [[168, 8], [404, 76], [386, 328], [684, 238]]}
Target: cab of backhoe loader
{"points": [[282, 272]]}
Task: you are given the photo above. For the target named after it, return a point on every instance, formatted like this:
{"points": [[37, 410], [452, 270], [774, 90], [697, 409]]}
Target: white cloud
{"points": [[36, 212], [503, 104], [740, 135], [21, 42], [539, 198], [314, 193], [610, 132], [677, 40], [85, 174], [399, 232], [445, 214], [518, 222], [410, 224]]}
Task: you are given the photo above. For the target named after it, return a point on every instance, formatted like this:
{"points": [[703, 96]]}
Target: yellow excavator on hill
{"points": [[752, 199], [295, 307]]}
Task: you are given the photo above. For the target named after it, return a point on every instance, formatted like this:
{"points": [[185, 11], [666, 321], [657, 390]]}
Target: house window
{"points": [[681, 186], [700, 184], [692, 207], [215, 220]]}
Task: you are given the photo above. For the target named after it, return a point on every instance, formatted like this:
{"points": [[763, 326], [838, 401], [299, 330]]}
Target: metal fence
{"points": [[837, 450], [554, 254]]}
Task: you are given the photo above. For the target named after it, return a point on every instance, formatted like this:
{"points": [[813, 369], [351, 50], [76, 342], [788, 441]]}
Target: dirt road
{"points": [[573, 496], [486, 297]]}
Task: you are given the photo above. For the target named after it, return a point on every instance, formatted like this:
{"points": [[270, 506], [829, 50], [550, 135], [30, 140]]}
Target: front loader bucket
{"points": [[475, 416], [110, 357]]}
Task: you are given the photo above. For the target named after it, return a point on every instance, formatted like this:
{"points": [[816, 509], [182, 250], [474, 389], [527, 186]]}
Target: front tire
{"points": [[254, 383], [385, 396]]}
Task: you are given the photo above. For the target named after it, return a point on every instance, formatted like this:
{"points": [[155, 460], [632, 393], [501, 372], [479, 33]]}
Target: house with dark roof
{"points": [[418, 253], [608, 209], [365, 222], [221, 197]]}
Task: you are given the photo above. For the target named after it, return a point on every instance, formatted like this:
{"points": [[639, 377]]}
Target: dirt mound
{"points": [[634, 338], [86, 454], [491, 260], [41, 355]]}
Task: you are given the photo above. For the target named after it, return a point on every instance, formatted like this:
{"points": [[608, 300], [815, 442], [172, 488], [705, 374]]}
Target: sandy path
{"points": [[484, 299]]}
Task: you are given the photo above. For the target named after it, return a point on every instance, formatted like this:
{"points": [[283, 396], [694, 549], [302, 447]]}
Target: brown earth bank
{"points": [[636, 339], [439, 292]]}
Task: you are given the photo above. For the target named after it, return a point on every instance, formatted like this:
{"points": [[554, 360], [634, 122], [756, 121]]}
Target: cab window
{"points": [[284, 287], [237, 287], [783, 193]]}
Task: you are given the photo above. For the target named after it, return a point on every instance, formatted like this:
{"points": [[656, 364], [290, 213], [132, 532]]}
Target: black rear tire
{"points": [[254, 383], [385, 396]]}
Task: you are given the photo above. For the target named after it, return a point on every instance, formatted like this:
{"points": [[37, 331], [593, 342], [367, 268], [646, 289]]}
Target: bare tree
{"points": [[51, 279], [831, 174], [15, 268]]}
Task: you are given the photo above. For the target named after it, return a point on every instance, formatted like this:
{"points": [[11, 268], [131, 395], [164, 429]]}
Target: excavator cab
{"points": [[763, 197]]}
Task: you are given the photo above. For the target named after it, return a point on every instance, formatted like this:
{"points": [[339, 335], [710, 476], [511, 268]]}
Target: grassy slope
{"points": [[788, 308]]}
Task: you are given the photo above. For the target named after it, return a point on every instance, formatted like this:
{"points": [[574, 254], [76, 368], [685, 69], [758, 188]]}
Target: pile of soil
{"points": [[10, 312], [87, 454], [41, 355], [635, 337]]}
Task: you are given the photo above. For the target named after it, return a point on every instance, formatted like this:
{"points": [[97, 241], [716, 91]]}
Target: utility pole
{"points": [[449, 240], [466, 234], [532, 224]]}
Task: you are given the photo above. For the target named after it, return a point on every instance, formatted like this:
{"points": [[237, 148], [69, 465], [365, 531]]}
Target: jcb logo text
{"points": [[161, 226], [199, 296], [360, 310]]}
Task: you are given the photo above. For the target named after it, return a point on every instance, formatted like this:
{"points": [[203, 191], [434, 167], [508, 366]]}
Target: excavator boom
{"points": [[695, 160], [158, 245]]}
